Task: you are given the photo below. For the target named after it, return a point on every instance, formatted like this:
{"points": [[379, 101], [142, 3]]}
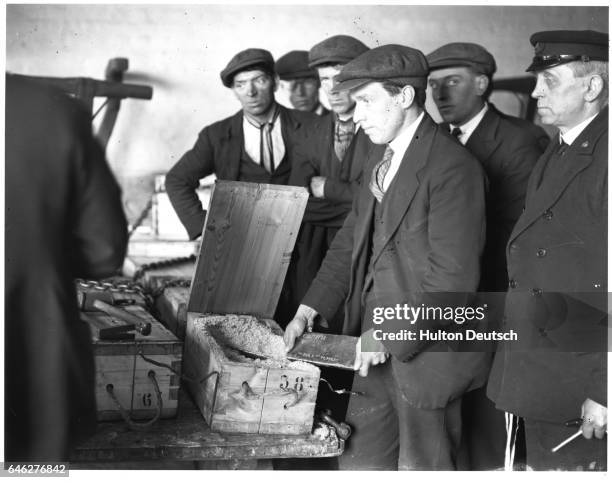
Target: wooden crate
{"points": [[247, 241], [123, 364], [236, 393]]}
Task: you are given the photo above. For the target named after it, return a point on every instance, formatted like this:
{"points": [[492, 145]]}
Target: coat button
{"points": [[536, 292], [513, 246], [541, 252], [512, 283], [548, 214], [542, 332]]}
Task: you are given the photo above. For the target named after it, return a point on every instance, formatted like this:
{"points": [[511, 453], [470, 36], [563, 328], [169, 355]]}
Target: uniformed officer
{"points": [[507, 147], [557, 252], [301, 81]]}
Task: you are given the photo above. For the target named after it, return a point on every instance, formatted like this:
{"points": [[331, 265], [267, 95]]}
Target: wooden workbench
{"points": [[188, 438]]}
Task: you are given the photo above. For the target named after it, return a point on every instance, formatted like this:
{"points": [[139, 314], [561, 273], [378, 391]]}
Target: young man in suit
{"points": [[300, 81], [414, 235], [330, 166], [554, 376], [507, 147], [257, 144]]}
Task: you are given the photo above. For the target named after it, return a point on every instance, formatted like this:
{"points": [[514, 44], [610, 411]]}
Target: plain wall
{"points": [[180, 50]]}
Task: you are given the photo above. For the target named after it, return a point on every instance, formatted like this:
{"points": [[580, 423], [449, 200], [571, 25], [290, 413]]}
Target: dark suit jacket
{"points": [[323, 217], [508, 149], [557, 260], [64, 219], [218, 150], [434, 230]]}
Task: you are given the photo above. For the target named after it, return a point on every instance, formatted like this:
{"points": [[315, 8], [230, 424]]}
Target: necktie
{"points": [[266, 152], [266, 148], [378, 174], [456, 132], [343, 135], [562, 147]]}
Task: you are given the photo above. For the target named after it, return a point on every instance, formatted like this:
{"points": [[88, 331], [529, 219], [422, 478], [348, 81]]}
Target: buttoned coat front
{"points": [[557, 264], [433, 228], [508, 149]]}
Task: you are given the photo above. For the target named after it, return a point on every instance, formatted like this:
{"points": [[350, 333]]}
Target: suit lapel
{"points": [[364, 223], [406, 182], [233, 150], [577, 158], [483, 142]]}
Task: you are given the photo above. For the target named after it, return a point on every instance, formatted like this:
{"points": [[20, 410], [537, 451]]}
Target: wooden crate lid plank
{"points": [[247, 241]]}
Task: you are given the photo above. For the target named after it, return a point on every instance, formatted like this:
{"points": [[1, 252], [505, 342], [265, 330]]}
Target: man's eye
{"points": [[452, 82]]}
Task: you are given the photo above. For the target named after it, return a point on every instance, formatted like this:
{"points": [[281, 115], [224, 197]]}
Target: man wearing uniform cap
{"points": [[460, 78], [554, 376], [257, 144], [300, 81], [415, 232]]}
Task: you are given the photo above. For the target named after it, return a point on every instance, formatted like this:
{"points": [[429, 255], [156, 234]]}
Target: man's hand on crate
{"points": [[302, 320]]}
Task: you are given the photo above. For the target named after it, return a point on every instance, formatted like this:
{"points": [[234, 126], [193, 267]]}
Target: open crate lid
{"points": [[247, 241]]}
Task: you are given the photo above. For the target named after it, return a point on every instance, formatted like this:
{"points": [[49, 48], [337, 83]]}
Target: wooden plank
{"points": [[247, 241], [171, 309], [325, 350], [189, 438]]}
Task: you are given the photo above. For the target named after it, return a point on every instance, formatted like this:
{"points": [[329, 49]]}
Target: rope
{"points": [[126, 416]]}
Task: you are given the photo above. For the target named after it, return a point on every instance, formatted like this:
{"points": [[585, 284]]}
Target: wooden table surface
{"points": [[188, 438]]}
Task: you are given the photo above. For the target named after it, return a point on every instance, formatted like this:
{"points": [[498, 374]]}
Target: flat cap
{"points": [[556, 47], [462, 54], [339, 49], [294, 65], [242, 60], [387, 62]]}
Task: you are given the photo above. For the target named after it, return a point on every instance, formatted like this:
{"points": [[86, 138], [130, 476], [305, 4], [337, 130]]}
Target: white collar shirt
{"points": [[469, 127], [399, 146], [570, 136], [252, 140]]}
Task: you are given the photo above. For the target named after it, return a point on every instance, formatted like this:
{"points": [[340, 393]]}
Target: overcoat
{"points": [[64, 219], [557, 296]]}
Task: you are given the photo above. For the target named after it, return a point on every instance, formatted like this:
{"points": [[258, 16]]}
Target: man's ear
{"points": [[482, 84], [595, 87], [276, 81], [406, 96]]}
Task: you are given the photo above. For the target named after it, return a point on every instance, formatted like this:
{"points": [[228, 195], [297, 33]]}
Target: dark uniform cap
{"points": [[556, 47], [294, 65], [387, 62], [339, 49], [463, 54], [242, 60]]}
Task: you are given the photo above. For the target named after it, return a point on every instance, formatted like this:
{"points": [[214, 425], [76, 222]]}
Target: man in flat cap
{"points": [[300, 81], [414, 235], [257, 144], [554, 376], [330, 165], [507, 147]]}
